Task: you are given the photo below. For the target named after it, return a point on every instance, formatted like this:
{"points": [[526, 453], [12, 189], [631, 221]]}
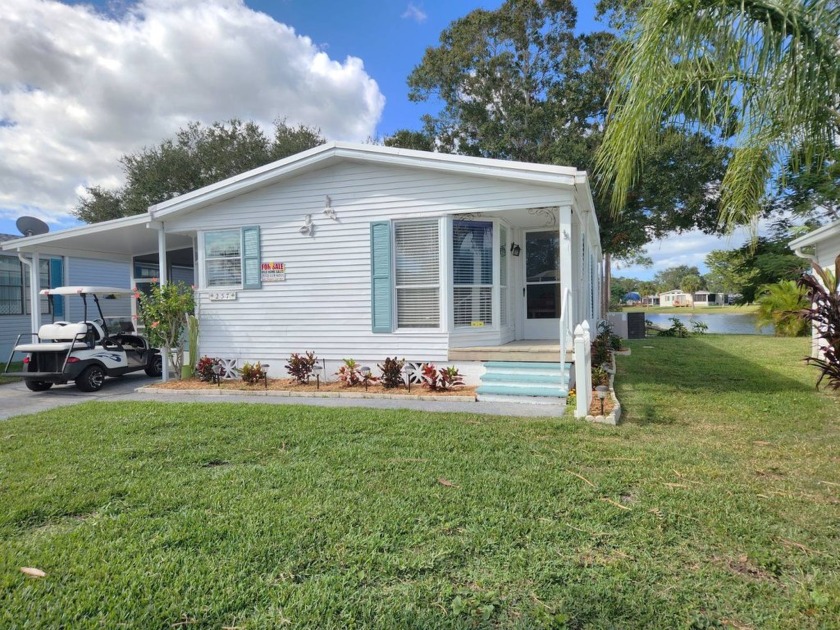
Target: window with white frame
{"points": [[11, 286], [417, 273], [43, 282], [223, 258], [472, 272]]}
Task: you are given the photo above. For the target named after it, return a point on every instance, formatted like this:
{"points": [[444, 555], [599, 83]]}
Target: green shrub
{"points": [[300, 366], [253, 373], [350, 373], [391, 370]]}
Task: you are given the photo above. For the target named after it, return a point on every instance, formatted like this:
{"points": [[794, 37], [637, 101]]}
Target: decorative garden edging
{"points": [[614, 416]]}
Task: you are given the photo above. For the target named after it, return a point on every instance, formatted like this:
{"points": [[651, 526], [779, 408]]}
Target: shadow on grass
{"points": [[699, 370]]}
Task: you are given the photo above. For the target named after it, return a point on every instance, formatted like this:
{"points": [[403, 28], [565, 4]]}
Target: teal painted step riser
{"points": [[505, 390], [526, 365], [527, 373], [547, 379]]}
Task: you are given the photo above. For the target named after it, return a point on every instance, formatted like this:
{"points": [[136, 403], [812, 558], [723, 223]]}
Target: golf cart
{"points": [[85, 352]]}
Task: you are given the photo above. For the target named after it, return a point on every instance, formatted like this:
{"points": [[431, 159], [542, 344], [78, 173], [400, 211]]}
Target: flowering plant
{"points": [[163, 311]]}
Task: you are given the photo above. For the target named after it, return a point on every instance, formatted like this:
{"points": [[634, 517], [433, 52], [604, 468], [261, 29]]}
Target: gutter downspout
{"points": [[34, 287]]}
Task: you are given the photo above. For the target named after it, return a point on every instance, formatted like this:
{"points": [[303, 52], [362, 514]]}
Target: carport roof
{"points": [[118, 238]]}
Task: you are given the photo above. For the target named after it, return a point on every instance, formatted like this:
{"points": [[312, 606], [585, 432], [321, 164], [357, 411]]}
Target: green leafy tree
{"points": [[812, 190], [197, 156], [729, 271], [746, 270], [691, 283], [671, 278], [766, 73], [518, 83], [780, 304]]}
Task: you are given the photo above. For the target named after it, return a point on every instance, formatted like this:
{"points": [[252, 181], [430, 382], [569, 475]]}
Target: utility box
{"points": [[618, 321], [635, 325]]}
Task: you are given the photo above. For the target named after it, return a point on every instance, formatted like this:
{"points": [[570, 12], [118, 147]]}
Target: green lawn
{"points": [[13, 367], [715, 505]]}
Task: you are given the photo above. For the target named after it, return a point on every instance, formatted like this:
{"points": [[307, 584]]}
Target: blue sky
{"points": [[83, 83]]}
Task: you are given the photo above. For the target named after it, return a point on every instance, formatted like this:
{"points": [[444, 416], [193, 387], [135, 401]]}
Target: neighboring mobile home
{"points": [[363, 251], [706, 298], [675, 297]]}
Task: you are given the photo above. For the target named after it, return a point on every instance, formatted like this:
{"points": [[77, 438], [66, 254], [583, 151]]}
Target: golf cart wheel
{"points": [[156, 368], [38, 386], [91, 379]]}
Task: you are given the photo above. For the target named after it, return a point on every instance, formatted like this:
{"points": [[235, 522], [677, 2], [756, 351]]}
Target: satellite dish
{"points": [[30, 226]]}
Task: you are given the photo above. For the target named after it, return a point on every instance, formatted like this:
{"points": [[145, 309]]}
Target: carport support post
{"points": [[34, 291], [164, 376]]}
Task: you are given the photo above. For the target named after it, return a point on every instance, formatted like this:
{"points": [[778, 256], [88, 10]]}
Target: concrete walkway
{"points": [[15, 400]]}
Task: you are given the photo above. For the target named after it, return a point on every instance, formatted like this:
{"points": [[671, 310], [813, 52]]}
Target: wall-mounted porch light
{"points": [[515, 249], [308, 229]]}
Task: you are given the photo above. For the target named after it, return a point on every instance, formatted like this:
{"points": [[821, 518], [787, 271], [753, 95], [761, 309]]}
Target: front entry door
{"points": [[542, 284]]}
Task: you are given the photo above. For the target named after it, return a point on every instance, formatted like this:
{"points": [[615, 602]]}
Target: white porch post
{"points": [[34, 291], [164, 376], [566, 261]]}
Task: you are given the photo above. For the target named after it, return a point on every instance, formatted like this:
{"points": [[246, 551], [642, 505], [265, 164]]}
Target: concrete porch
{"points": [[524, 350]]}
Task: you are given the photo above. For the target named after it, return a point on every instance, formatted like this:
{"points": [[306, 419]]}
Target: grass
{"points": [[14, 367], [716, 505]]}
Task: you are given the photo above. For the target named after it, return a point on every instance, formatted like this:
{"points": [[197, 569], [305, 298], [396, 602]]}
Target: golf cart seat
{"points": [[61, 331], [58, 336]]}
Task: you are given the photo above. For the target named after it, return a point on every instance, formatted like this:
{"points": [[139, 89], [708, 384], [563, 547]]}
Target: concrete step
{"points": [[557, 405], [525, 390]]}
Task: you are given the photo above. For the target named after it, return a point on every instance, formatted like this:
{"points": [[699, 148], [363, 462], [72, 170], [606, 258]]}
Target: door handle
{"points": [[523, 291]]}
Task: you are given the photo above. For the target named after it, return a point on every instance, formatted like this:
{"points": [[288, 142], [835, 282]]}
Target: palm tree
{"points": [[780, 304], [761, 73]]}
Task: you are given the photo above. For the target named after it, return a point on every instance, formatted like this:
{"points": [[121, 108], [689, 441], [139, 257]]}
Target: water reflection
{"points": [[720, 323]]}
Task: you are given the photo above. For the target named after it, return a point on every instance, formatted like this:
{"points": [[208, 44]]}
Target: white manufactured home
{"points": [[359, 251]]}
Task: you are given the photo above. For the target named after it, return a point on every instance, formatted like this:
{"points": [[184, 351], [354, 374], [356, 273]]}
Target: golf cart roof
{"points": [[85, 290]]}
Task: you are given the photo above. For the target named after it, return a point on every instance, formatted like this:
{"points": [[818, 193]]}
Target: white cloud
{"points": [[78, 88], [689, 248], [415, 13]]}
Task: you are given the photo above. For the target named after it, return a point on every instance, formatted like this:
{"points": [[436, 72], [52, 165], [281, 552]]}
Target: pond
{"points": [[720, 323]]}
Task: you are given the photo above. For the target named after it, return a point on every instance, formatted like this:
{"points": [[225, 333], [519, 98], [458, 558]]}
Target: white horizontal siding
{"points": [[324, 304], [103, 273], [10, 327], [829, 249]]}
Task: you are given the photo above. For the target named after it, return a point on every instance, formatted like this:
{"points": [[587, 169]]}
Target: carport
{"points": [[131, 240]]}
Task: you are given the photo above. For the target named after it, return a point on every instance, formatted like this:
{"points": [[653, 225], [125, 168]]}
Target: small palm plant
{"points": [[781, 305]]}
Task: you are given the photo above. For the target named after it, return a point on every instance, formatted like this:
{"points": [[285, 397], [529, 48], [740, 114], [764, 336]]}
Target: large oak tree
{"points": [[198, 155]]}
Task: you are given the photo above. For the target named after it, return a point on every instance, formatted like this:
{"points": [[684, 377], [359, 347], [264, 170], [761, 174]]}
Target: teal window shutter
{"points": [[57, 280], [381, 293], [251, 257]]}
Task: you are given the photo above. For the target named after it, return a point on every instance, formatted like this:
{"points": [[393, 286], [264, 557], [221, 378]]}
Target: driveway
{"points": [[16, 400]]}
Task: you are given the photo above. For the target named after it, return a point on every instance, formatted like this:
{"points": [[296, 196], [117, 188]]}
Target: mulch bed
{"points": [[290, 385]]}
